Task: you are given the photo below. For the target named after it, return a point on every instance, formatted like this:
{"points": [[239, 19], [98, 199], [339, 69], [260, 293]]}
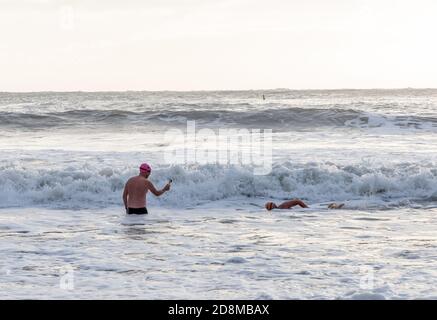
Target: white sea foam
{"points": [[93, 186], [218, 252]]}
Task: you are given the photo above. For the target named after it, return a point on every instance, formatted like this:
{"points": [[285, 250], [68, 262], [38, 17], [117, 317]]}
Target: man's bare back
{"points": [[136, 188]]}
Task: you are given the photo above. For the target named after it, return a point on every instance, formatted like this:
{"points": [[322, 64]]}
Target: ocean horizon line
{"points": [[222, 90]]}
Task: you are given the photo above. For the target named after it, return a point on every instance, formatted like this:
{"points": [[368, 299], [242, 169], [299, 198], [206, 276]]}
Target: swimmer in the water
{"points": [[135, 191], [297, 202]]}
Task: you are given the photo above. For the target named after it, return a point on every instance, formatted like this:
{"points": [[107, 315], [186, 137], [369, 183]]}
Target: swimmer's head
{"points": [[270, 205], [145, 169]]}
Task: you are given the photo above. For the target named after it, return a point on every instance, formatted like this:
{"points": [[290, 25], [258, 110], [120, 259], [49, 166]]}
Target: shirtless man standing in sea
{"points": [[135, 190]]}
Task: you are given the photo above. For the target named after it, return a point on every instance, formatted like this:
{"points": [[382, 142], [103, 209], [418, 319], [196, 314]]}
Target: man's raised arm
{"points": [[157, 193]]}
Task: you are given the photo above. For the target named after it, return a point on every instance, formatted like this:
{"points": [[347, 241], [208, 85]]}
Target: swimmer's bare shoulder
{"points": [[147, 183]]}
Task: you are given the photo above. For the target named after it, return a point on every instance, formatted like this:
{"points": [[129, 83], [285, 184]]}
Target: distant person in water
{"points": [[297, 202], [136, 188]]}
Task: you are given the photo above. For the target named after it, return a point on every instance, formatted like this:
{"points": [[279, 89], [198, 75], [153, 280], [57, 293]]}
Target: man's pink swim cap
{"points": [[145, 168]]}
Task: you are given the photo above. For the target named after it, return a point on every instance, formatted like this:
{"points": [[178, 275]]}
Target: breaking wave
{"points": [[277, 118], [89, 187]]}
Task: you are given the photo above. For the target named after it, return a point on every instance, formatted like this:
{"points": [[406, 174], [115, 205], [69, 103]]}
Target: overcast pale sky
{"points": [[65, 45]]}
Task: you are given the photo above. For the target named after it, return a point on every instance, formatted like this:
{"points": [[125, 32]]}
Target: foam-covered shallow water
{"points": [[232, 251]]}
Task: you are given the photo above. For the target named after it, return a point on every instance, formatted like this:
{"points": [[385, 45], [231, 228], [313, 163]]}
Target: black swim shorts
{"points": [[136, 211]]}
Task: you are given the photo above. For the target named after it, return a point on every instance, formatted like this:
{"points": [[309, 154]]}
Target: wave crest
{"points": [[314, 182], [277, 118]]}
